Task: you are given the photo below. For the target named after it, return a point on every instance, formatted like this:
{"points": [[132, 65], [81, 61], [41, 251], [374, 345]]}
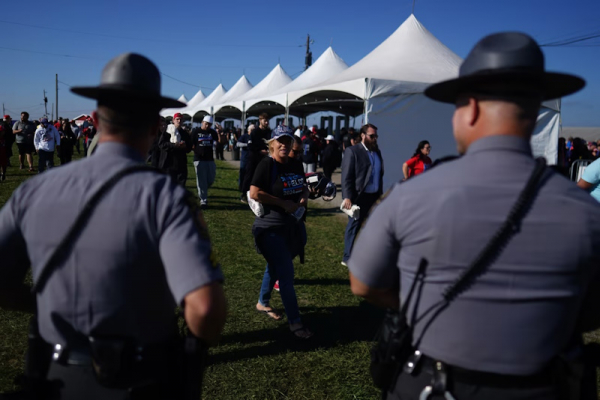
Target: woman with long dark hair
{"points": [[419, 162]]}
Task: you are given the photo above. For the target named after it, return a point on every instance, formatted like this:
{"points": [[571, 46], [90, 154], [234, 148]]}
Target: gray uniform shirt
{"points": [[524, 309], [141, 252]]}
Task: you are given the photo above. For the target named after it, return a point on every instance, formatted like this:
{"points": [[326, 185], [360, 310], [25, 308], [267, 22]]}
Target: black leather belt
{"points": [[489, 379]]}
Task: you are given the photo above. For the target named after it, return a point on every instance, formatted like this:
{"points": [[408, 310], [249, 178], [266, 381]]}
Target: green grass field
{"points": [[258, 358]]}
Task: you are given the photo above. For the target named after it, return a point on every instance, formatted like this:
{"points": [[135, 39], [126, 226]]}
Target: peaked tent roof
{"points": [[169, 112], [183, 99], [410, 54], [241, 87], [207, 102], [275, 80], [327, 66]]}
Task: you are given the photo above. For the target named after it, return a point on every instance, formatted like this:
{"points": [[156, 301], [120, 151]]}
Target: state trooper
{"points": [[500, 333], [106, 302]]}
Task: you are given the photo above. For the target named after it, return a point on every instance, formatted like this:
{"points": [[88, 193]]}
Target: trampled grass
{"points": [[258, 358]]}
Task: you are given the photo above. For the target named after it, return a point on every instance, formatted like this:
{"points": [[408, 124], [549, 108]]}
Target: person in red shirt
{"points": [[419, 162]]}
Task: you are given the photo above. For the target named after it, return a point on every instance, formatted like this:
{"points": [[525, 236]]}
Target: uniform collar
{"points": [[500, 142], [118, 149]]}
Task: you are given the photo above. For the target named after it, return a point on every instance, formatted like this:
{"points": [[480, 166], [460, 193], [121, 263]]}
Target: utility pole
{"points": [[52, 116], [308, 57], [3, 112], [45, 104], [56, 96]]}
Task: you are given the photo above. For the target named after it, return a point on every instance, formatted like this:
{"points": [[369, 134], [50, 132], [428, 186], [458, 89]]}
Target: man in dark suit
{"points": [[362, 181]]}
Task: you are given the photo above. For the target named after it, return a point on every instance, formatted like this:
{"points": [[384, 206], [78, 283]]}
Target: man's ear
{"points": [[95, 118], [474, 111]]}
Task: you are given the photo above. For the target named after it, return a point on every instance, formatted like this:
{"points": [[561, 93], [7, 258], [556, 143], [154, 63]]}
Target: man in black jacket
{"points": [[362, 181], [257, 149], [332, 156], [174, 146]]}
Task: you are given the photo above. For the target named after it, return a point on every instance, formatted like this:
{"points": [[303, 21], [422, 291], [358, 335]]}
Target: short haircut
{"points": [[130, 122], [297, 140], [26, 114], [263, 116], [365, 128]]}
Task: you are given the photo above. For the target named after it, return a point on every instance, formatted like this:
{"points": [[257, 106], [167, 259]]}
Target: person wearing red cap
{"points": [[174, 146]]}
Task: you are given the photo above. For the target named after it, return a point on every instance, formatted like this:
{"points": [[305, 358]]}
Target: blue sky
{"points": [[207, 43]]}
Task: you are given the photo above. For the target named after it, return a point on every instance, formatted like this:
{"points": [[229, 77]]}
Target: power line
{"points": [[178, 80], [573, 40], [66, 84], [204, 43], [48, 54]]}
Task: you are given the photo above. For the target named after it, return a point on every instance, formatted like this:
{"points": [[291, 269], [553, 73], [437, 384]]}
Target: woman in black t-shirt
{"points": [[278, 184]]}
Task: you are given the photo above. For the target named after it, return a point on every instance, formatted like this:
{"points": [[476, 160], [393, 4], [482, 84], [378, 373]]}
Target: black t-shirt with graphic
{"points": [[203, 144], [284, 181]]}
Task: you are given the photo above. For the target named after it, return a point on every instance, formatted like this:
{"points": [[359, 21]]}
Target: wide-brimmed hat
{"points": [[512, 59], [129, 77]]}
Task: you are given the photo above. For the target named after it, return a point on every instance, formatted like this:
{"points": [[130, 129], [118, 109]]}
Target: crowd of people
{"points": [[488, 264], [42, 138]]}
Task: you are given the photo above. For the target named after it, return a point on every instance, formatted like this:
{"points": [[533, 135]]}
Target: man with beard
{"points": [[203, 139], [362, 181], [257, 149], [173, 151]]}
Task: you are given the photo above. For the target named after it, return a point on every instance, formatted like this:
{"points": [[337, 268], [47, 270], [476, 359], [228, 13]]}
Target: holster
{"points": [[112, 359], [391, 351], [193, 362]]}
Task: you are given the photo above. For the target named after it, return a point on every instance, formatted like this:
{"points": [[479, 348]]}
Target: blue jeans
{"points": [[351, 231], [279, 267], [45, 159], [365, 203], [205, 177]]}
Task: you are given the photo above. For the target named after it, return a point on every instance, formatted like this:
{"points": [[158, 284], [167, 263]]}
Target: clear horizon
{"points": [[204, 45]]}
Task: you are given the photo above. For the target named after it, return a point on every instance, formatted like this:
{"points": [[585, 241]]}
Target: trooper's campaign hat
{"points": [[129, 77], [508, 62]]}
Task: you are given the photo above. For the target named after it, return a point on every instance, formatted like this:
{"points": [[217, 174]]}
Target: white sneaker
{"points": [[344, 263], [255, 206]]}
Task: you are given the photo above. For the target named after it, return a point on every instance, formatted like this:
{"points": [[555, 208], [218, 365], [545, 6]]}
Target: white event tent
{"points": [[387, 85], [204, 106], [183, 99], [198, 97], [327, 66], [241, 87], [275, 80]]}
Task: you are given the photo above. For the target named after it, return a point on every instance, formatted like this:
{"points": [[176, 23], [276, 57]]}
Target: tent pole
{"points": [[365, 109], [287, 110]]}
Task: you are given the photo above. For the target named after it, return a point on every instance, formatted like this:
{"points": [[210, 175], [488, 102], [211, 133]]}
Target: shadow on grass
{"points": [[324, 281], [227, 206], [332, 327], [223, 188]]}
